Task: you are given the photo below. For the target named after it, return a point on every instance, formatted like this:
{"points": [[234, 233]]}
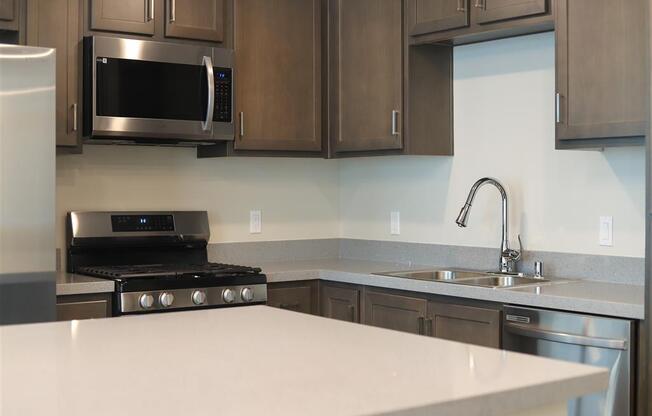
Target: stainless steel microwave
{"points": [[143, 92]]}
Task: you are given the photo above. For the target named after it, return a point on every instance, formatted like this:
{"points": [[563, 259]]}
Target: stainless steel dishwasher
{"points": [[586, 339]]}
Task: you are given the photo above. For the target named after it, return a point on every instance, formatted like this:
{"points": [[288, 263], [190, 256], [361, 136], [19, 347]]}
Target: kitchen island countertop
{"points": [[264, 361]]}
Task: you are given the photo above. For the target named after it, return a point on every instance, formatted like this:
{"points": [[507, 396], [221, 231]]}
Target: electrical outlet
{"points": [[255, 221], [395, 223], [606, 231]]}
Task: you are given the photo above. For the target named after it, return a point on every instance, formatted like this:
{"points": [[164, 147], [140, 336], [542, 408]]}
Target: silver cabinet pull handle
{"points": [[558, 108], [395, 131], [74, 117], [460, 6], [583, 340], [241, 124], [150, 10], [173, 11], [207, 124], [479, 4]]}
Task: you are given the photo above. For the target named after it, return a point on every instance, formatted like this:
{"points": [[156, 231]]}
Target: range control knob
{"points": [[166, 299], [146, 301], [247, 294], [198, 297], [228, 295]]}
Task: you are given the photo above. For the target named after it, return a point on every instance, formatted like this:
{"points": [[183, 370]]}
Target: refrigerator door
{"points": [[27, 184]]}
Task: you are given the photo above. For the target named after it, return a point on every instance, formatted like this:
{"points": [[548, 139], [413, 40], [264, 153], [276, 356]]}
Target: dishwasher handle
{"points": [[583, 340]]}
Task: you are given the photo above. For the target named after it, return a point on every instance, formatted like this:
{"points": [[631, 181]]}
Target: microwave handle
{"points": [[207, 124]]}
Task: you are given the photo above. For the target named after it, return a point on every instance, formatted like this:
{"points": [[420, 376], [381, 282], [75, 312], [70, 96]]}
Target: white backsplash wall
{"points": [[504, 127], [298, 197]]}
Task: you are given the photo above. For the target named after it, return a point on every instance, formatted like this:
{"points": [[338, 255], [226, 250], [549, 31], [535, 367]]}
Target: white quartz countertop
{"points": [[264, 361], [585, 296]]}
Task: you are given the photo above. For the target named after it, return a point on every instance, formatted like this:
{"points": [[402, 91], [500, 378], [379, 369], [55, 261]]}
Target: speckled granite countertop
{"points": [[610, 299], [77, 284]]}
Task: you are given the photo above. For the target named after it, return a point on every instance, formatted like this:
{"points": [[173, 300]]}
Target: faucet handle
{"points": [[538, 269]]}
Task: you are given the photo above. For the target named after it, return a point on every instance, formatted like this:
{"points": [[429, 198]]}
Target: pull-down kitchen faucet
{"points": [[508, 257]]}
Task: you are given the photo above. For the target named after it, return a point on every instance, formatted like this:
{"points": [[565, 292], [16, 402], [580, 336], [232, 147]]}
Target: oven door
{"points": [[155, 91]]}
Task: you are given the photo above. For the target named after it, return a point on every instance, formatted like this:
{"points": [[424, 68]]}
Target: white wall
{"points": [[504, 127], [298, 197]]}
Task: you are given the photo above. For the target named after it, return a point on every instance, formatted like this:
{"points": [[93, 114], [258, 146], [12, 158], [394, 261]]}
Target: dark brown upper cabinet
{"points": [[601, 72], [366, 75], [465, 21], [57, 24], [428, 16], [278, 75], [339, 302], [490, 11], [9, 12], [126, 16], [195, 19]]}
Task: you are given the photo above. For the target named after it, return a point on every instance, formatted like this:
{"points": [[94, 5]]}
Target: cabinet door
{"points": [[295, 296], [56, 24], [601, 69], [429, 16], [394, 311], [8, 10], [129, 16], [469, 324], [195, 19], [9, 15], [489, 11], [340, 302], [367, 75], [278, 75], [83, 306]]}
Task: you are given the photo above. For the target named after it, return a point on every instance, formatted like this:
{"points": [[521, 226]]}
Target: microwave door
{"points": [[149, 99]]}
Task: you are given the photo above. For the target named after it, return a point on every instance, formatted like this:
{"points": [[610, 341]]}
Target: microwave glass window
{"points": [[153, 90]]}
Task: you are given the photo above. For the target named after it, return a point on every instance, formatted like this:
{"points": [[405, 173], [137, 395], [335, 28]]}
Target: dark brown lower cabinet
{"points": [[395, 311], [339, 302], [469, 324], [294, 296], [78, 307]]}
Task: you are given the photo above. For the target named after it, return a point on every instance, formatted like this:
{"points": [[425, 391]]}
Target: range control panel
{"points": [[131, 223], [223, 94]]}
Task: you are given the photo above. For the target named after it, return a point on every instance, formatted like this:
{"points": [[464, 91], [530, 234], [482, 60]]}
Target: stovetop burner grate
{"points": [[181, 271]]}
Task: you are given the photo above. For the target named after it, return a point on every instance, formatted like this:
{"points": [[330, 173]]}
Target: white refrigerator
{"points": [[27, 184]]}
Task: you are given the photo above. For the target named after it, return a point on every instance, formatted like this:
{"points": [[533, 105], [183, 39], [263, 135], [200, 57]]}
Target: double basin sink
{"points": [[470, 278]]}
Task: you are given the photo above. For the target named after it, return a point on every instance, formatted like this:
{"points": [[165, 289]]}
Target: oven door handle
{"points": [[207, 125], [582, 340]]}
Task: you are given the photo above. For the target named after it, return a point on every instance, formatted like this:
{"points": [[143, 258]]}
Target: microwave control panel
{"points": [[223, 94]]}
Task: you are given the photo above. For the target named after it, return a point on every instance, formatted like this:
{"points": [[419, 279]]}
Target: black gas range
{"points": [[158, 261]]}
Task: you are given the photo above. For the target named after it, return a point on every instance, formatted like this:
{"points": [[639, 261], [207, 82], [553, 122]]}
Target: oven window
{"points": [[153, 90]]}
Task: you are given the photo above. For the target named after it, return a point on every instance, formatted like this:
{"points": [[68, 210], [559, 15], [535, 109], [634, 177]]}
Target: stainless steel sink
{"points": [[503, 281], [471, 278], [435, 275]]}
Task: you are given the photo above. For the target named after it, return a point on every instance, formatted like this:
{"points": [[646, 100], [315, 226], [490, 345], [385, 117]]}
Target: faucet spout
{"points": [[508, 257]]}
